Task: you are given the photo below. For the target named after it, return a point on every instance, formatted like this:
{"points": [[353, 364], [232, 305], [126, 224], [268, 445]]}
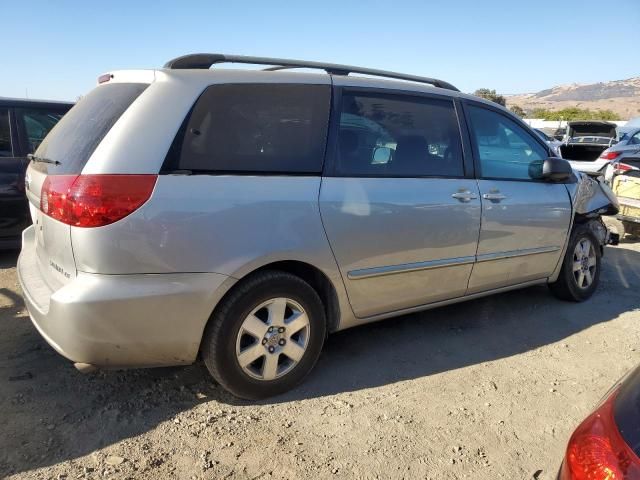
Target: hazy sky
{"points": [[57, 49]]}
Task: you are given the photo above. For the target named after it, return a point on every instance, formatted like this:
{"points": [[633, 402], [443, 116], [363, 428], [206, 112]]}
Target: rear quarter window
{"points": [[254, 128], [72, 141]]}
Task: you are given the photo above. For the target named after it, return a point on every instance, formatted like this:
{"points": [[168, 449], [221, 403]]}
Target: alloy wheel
{"points": [[272, 339], [584, 263]]}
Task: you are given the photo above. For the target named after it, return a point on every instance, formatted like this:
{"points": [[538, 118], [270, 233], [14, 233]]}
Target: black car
{"points": [[23, 125], [606, 444]]}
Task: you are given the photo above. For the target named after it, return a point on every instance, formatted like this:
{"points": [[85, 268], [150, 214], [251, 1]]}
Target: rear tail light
{"points": [[597, 451], [94, 200], [609, 155], [623, 167]]}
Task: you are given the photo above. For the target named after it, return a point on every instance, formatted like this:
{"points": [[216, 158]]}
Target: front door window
{"points": [[505, 149]]}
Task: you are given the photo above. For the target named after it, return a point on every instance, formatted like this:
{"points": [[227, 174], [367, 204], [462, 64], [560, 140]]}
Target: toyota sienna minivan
{"points": [[243, 215]]}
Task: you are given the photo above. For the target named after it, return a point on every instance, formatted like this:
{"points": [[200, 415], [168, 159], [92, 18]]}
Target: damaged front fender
{"points": [[591, 197]]}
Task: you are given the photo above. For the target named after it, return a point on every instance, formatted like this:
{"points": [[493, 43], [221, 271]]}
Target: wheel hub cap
{"points": [[272, 339], [584, 263]]}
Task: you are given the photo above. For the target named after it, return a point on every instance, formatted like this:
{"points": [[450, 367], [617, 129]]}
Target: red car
{"points": [[606, 445]]}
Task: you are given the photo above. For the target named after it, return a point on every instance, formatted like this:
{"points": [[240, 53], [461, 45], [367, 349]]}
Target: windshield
{"points": [[78, 134], [38, 122]]}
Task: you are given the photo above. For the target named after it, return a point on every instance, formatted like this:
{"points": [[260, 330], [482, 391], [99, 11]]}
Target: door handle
{"points": [[464, 196], [494, 196]]}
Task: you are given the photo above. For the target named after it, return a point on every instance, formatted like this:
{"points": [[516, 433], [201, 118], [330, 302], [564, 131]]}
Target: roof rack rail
{"points": [[206, 60]]}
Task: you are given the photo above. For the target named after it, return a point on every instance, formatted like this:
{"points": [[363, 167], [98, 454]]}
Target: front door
{"points": [[401, 217], [525, 220]]}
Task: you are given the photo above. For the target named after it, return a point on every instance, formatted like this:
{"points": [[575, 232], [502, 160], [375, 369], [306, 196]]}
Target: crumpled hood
{"points": [[592, 197]]}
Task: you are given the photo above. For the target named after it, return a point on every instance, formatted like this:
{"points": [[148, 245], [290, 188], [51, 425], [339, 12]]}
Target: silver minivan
{"points": [[243, 215]]}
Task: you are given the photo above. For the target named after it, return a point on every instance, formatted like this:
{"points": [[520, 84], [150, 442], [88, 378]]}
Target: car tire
{"points": [[271, 305], [580, 271]]}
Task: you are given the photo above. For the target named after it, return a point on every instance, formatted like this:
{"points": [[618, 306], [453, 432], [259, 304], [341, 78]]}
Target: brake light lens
{"points": [[623, 167], [94, 200], [104, 78], [609, 155], [597, 451]]}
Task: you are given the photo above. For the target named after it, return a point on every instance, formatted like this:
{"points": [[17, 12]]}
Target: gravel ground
{"points": [[487, 389]]}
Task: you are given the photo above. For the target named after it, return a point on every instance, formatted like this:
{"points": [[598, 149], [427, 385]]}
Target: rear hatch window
{"points": [[71, 142], [77, 135]]}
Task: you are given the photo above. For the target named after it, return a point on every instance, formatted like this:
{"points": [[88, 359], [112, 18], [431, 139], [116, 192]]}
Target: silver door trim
{"points": [[487, 257], [446, 262], [408, 267]]}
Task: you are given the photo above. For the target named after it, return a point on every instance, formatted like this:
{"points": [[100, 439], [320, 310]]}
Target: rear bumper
{"points": [[120, 320]]}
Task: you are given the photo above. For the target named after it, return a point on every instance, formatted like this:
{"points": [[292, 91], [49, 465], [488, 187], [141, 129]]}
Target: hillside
{"points": [[620, 96]]}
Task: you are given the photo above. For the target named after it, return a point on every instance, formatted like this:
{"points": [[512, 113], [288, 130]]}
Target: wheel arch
{"points": [[565, 285], [579, 220], [318, 280], [314, 276], [595, 225]]}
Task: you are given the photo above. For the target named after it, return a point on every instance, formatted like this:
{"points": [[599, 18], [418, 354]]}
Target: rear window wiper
{"points": [[35, 158]]}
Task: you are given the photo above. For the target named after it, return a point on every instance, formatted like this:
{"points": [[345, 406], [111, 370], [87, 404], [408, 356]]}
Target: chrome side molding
{"points": [[487, 257], [408, 267], [445, 262]]}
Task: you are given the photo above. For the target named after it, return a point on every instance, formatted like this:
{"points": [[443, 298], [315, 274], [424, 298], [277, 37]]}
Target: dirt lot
{"points": [[483, 390]]}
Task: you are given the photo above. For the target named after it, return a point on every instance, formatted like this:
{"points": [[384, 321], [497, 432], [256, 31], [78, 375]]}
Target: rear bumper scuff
{"points": [[121, 320]]}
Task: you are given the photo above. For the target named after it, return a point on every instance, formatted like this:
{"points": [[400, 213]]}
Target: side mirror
{"points": [[381, 155], [556, 170]]}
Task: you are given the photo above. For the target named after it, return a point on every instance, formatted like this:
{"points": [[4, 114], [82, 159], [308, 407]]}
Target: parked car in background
{"points": [[631, 126], [626, 186], [606, 445], [552, 142], [624, 156], [585, 141], [243, 215], [23, 126]]}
